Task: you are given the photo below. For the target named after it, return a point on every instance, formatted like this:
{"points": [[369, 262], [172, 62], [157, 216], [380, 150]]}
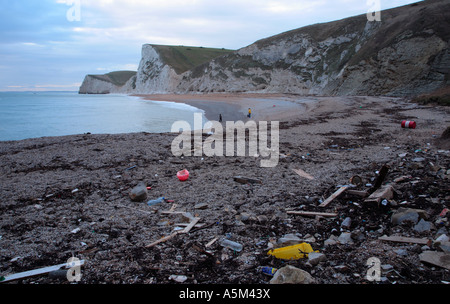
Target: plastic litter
{"points": [[270, 271], [156, 201], [293, 252], [183, 175], [408, 124], [232, 245]]}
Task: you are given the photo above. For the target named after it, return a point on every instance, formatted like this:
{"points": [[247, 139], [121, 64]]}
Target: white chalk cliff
{"points": [[407, 53]]}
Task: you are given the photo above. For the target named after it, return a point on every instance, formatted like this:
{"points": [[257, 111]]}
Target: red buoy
{"points": [[408, 124], [183, 175]]}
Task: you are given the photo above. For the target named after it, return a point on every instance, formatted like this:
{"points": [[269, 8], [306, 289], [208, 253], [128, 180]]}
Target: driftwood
{"points": [[310, 213], [333, 196]]}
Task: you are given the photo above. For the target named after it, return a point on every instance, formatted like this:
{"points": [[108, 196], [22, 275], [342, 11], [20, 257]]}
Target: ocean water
{"points": [[39, 114]]}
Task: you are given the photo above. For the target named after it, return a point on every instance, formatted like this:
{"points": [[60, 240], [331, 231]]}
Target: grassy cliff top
{"points": [[118, 78], [183, 58]]}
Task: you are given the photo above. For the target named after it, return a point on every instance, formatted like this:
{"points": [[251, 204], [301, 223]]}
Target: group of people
{"points": [[249, 115]]}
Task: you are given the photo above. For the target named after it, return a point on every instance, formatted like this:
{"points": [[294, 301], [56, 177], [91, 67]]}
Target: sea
{"points": [[40, 114]]}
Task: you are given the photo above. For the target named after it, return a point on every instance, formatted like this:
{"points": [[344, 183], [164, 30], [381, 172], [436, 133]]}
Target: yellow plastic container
{"points": [[293, 252]]}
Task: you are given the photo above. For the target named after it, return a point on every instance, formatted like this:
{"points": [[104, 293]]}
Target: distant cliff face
{"points": [[114, 82], [407, 53], [154, 75]]}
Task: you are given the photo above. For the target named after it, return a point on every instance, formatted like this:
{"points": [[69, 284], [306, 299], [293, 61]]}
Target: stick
{"points": [[308, 213], [191, 225], [303, 173], [36, 272], [333, 196], [162, 239], [402, 239]]}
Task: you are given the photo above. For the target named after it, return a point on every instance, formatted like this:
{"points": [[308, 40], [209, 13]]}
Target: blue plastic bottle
{"points": [[156, 201]]}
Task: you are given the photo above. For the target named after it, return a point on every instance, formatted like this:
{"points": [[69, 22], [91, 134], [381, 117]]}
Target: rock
{"points": [[418, 159], [139, 193], [407, 214], [201, 206], [289, 239], [402, 252], [331, 241], [443, 246], [346, 223], [442, 238], [345, 238], [291, 275], [423, 226], [341, 268], [440, 259], [315, 258]]}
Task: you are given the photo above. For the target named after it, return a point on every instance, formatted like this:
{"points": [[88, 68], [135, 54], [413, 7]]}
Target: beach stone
{"points": [[139, 193], [315, 258], [345, 238], [289, 239], [291, 275], [332, 240], [407, 214], [423, 226], [346, 223]]}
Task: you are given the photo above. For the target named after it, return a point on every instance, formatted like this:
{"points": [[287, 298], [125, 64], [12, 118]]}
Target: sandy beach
{"points": [[235, 107], [64, 196]]}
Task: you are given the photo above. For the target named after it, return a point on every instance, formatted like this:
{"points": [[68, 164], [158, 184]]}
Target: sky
{"points": [[50, 45]]}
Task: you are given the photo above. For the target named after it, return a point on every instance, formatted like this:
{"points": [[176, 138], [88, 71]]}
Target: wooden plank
{"points": [[333, 196], [162, 239], [360, 193], [311, 213], [303, 174], [36, 272], [246, 180], [385, 192], [402, 239], [211, 242], [191, 225]]}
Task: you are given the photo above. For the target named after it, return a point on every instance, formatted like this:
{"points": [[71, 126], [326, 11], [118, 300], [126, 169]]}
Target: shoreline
{"points": [[234, 107]]}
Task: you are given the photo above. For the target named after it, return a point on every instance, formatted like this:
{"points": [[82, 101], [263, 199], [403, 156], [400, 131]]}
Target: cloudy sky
{"points": [[53, 44]]}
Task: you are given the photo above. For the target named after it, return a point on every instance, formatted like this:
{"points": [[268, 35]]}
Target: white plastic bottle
{"points": [[230, 244]]}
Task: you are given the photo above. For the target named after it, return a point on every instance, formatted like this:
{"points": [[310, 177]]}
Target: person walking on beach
{"points": [[220, 117], [249, 113]]}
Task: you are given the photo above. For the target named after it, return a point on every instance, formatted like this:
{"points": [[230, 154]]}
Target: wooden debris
{"points": [[201, 250], [188, 228], [36, 272], [191, 225], [311, 213], [211, 242], [161, 240], [385, 192], [437, 258], [402, 178], [246, 180], [380, 178], [360, 193], [333, 196], [303, 174], [402, 239]]}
